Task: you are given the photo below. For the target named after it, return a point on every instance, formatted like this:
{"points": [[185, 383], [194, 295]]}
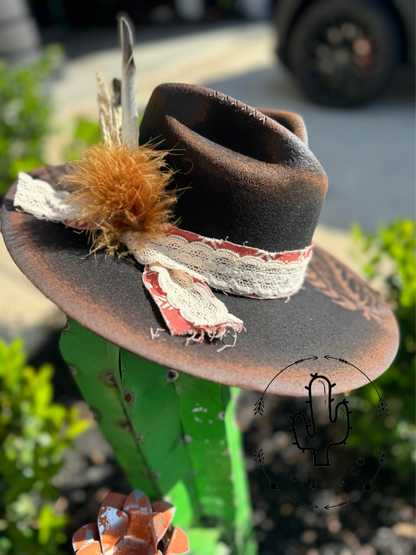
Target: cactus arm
{"points": [[151, 402], [343, 403], [304, 422], [92, 365]]}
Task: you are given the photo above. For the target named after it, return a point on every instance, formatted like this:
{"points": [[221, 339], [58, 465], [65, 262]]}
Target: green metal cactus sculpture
{"points": [[174, 435]]}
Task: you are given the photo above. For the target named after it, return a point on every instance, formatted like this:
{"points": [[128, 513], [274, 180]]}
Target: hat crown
{"points": [[248, 174]]}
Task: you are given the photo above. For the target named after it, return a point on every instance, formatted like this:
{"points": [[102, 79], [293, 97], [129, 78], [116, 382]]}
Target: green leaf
{"points": [[205, 541], [49, 523], [77, 428]]}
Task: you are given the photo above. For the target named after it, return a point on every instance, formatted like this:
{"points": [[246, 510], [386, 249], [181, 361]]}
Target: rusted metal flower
{"points": [[131, 526]]}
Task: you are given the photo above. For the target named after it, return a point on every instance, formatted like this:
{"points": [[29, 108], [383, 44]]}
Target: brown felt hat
{"points": [[249, 177]]}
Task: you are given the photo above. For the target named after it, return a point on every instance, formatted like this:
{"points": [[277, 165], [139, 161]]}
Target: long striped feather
{"points": [[130, 126]]}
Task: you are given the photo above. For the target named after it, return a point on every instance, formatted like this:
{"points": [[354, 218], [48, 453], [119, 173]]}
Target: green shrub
{"points": [[34, 432], [87, 133], [25, 115], [388, 259]]}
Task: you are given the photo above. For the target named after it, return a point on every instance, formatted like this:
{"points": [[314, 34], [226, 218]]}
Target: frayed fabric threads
{"points": [[200, 335], [155, 334]]}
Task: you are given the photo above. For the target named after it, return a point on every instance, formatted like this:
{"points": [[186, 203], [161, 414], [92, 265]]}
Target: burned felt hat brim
{"points": [[336, 313]]}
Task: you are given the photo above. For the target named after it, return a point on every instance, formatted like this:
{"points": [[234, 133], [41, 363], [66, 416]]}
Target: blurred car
{"points": [[344, 52]]}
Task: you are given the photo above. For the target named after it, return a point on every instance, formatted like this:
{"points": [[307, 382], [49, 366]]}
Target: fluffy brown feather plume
{"points": [[119, 188]]}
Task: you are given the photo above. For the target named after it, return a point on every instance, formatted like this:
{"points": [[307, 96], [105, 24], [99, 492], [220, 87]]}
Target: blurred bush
{"points": [[25, 115], [87, 133], [34, 432], [388, 260]]}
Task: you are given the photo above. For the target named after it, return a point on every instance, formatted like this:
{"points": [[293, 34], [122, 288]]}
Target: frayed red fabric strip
{"points": [[176, 323]]}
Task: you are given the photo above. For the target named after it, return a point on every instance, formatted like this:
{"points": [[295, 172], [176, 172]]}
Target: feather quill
{"points": [[130, 125]]}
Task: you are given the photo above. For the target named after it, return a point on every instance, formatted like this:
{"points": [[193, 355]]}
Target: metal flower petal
{"points": [[131, 526]]}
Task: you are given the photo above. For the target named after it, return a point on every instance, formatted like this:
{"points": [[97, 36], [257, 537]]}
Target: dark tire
{"points": [[344, 52]]}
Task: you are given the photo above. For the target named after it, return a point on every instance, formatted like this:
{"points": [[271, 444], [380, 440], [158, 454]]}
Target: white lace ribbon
{"points": [[259, 274], [41, 200]]}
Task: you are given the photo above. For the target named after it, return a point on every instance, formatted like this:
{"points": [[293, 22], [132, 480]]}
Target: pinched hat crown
{"points": [[249, 175]]}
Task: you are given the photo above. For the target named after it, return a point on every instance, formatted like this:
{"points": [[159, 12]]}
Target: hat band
{"points": [[181, 267]]}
